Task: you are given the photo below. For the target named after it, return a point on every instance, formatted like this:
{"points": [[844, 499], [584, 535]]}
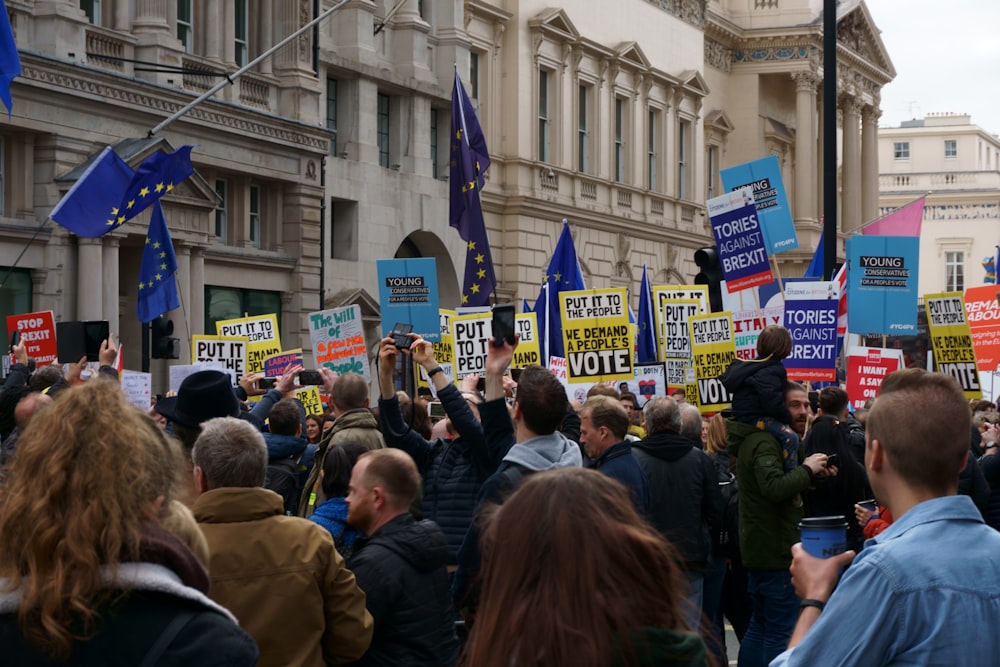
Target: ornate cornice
{"points": [[770, 53], [689, 11], [718, 55]]}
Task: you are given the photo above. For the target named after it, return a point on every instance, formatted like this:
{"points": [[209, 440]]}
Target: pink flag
{"points": [[841, 280], [904, 221]]}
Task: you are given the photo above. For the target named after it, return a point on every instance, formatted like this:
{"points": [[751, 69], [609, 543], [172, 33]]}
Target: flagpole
{"points": [[874, 220], [230, 78]]}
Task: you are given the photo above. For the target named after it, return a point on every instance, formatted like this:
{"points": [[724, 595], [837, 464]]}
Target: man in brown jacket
{"points": [[280, 576]]}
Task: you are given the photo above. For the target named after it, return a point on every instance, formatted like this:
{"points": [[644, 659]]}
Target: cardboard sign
{"points": [[675, 347], [811, 318], [444, 353], [408, 293], [983, 313], [528, 351], [230, 352], [951, 340], [866, 368], [739, 241], [138, 388], [748, 320], [180, 372], [713, 348], [261, 332], [598, 340], [338, 341], [472, 340], [763, 177], [882, 274], [311, 400], [557, 366], [275, 365], [38, 331], [650, 380]]}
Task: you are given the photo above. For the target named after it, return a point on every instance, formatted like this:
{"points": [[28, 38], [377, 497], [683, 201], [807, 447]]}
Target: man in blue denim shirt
{"points": [[915, 590]]}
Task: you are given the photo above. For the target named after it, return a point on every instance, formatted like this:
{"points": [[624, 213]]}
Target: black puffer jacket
{"points": [[758, 389], [685, 503], [401, 569]]}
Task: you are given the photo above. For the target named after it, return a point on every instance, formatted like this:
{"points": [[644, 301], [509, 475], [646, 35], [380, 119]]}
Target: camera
{"points": [[399, 337]]}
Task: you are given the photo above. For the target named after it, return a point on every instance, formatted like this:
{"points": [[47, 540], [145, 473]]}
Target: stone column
{"points": [[150, 16], [869, 163], [89, 293], [196, 307], [111, 277], [805, 146], [850, 197]]}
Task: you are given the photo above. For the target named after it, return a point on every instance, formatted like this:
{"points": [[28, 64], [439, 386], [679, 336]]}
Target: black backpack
{"points": [[283, 479], [726, 539]]}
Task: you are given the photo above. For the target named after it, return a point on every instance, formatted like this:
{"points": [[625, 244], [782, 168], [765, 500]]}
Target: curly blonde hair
{"points": [[76, 498]]}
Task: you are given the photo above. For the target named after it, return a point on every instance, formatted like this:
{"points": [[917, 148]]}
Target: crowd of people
{"points": [[518, 530]]}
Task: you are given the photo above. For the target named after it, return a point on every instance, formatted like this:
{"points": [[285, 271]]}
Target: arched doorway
{"points": [[427, 244]]}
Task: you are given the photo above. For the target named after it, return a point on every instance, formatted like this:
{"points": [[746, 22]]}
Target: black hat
{"points": [[202, 396]]}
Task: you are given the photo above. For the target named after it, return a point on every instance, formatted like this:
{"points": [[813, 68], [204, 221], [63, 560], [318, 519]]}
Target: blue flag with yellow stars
{"points": [[564, 275], [157, 176], [10, 61], [646, 334], [469, 162], [90, 207], [157, 284]]}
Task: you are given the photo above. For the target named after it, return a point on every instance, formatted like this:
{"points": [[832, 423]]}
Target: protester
{"points": [[631, 405], [604, 423], [990, 464], [285, 446], [88, 573], [586, 602], [336, 480], [400, 565], [314, 428], [280, 575], [909, 597]]}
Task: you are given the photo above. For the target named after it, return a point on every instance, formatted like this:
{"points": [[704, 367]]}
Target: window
{"points": [[434, 143], [92, 8], [241, 32], [344, 229], [950, 148], [651, 153], [713, 169], [683, 149], [901, 150], [619, 139], [544, 127], [221, 213], [383, 130], [954, 271], [583, 131], [331, 113], [185, 24], [15, 295], [227, 303], [255, 216], [473, 75]]}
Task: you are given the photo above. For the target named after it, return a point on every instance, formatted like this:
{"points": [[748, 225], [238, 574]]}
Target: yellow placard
{"points": [[675, 345], [954, 354], [713, 348], [596, 335], [471, 334], [231, 352], [261, 332], [528, 351], [310, 399]]}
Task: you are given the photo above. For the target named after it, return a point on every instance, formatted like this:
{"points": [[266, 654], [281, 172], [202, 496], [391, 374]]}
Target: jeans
{"points": [[693, 599], [775, 611], [711, 606]]}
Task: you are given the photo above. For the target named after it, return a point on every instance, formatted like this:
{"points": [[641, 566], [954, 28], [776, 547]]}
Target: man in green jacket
{"points": [[770, 511]]}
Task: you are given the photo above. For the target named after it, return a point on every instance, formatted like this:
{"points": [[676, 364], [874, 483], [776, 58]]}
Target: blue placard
{"points": [[408, 293], [736, 228], [882, 284], [763, 176], [811, 318]]}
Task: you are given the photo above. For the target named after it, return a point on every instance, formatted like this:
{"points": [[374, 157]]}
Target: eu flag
{"points": [[646, 336], [10, 62], [469, 161], [157, 176], [91, 206], [564, 275], [815, 268], [157, 284]]}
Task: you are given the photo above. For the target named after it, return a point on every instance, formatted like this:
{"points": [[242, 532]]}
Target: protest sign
{"points": [[275, 365], [763, 177], [230, 352], [408, 294], [866, 368], [675, 346], [338, 340], [742, 252], [180, 372], [38, 331], [557, 366], [472, 340], [528, 351], [882, 276], [952, 341], [444, 352], [748, 319], [598, 341], [713, 348], [311, 400], [983, 313], [662, 293], [261, 332], [138, 388], [650, 380], [811, 318]]}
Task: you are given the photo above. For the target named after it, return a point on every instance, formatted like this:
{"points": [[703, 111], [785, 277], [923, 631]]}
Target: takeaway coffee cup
{"points": [[870, 505], [824, 536]]}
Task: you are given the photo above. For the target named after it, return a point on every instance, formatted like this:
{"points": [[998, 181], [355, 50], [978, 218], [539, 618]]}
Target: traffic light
{"points": [[707, 260], [164, 346]]}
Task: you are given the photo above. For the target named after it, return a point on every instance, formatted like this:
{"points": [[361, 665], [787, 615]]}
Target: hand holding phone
{"points": [[832, 460], [399, 335], [307, 378], [503, 325]]}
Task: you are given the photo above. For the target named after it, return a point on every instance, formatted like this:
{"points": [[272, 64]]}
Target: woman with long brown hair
{"points": [[573, 576], [88, 573]]}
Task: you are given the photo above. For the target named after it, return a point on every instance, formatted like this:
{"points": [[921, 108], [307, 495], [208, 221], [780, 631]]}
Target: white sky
{"points": [[947, 59]]}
